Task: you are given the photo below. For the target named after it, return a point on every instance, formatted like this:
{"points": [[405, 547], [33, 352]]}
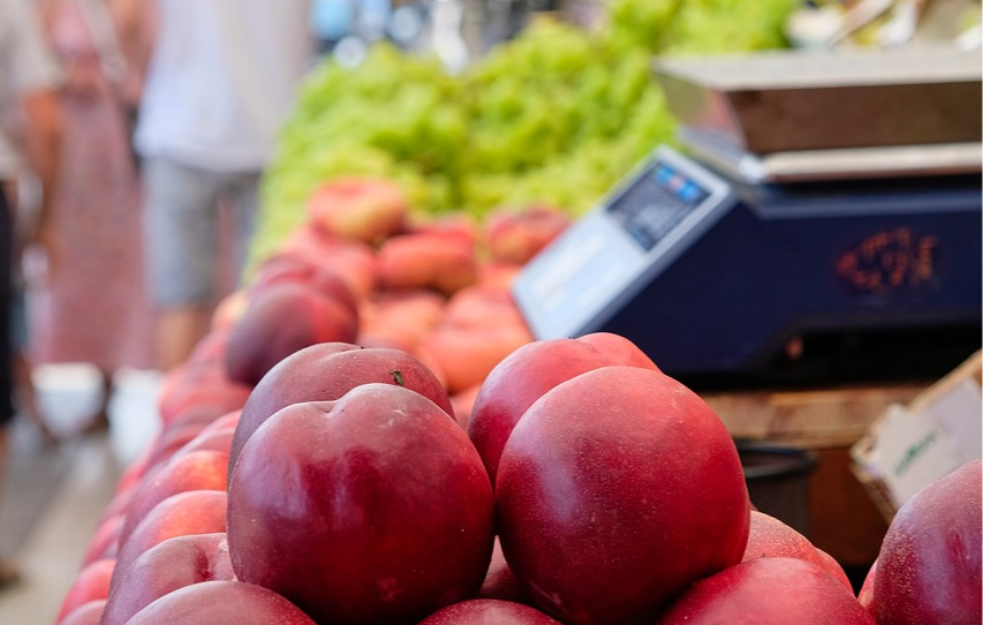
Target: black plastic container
{"points": [[778, 481]]}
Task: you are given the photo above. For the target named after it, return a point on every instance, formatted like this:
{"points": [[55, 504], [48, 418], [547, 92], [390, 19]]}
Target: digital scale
{"points": [[823, 225]]}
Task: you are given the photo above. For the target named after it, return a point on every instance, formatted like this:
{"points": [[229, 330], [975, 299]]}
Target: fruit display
{"points": [[554, 116], [370, 434], [489, 479]]}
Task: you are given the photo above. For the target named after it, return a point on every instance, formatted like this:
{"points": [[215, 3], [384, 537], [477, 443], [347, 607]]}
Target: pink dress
{"points": [[91, 306]]}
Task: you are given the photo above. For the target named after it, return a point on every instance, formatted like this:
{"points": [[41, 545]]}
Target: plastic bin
{"points": [[778, 481]]}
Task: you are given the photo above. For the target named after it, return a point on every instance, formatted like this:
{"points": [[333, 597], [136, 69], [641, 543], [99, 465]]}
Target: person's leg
{"points": [[24, 391], [26, 395], [100, 419], [8, 573], [181, 253]]}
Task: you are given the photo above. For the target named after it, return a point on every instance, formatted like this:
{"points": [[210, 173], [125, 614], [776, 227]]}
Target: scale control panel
{"points": [[603, 260]]}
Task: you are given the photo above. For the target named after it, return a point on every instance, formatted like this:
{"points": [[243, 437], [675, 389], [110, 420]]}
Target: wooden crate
{"points": [[813, 419]]}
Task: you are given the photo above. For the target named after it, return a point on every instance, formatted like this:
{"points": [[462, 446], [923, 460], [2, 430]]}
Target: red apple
{"points": [[210, 350], [488, 612], [121, 500], [371, 509], [427, 261], [176, 441], [199, 386], [204, 414], [281, 320], [105, 541], [91, 584], [363, 209], [928, 569], [399, 318], [131, 476], [326, 372], [287, 268], [221, 603], [466, 355], [768, 591], [457, 224], [616, 490], [481, 306], [184, 514], [530, 371], [463, 403], [866, 594], [498, 275], [229, 310], [500, 581], [770, 538], [517, 236], [196, 422], [353, 261], [170, 439], [172, 564], [198, 470], [209, 439], [88, 614], [228, 420]]}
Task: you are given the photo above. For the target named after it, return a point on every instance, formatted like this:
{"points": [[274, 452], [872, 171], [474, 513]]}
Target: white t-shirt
{"points": [[222, 80], [26, 66]]}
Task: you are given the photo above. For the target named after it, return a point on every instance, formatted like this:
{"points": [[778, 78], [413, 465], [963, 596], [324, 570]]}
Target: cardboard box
{"points": [[911, 446]]}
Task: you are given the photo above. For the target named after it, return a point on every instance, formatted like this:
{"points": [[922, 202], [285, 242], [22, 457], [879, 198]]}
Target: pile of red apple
{"points": [[313, 467]]}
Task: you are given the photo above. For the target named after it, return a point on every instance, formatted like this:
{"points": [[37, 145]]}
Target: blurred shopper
{"points": [[25, 200], [221, 80], [90, 308], [28, 79]]}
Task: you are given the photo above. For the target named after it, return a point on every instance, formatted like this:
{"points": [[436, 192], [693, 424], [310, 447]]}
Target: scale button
{"points": [[689, 192]]}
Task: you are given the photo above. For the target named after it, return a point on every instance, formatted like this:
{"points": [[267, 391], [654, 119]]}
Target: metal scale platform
{"points": [[822, 223]]}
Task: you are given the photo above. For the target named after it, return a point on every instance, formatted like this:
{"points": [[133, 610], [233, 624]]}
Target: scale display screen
{"points": [[658, 200], [607, 258]]}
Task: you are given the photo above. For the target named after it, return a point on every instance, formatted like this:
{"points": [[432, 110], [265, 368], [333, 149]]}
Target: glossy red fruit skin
{"points": [[767, 591], [488, 612], [285, 268], [528, 372], [929, 567], [770, 538], [371, 510], [91, 584], [327, 371], [105, 541], [221, 603], [184, 514], [172, 564], [616, 490], [280, 320], [87, 614], [866, 594], [500, 582], [192, 471]]}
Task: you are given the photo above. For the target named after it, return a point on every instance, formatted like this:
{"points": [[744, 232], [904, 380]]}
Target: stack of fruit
{"points": [[555, 116], [313, 468]]}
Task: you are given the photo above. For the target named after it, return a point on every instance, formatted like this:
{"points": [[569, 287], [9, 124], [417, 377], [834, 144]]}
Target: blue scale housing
{"points": [[726, 283]]}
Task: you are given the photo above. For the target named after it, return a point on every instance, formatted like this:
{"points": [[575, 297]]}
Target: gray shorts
{"points": [[181, 227]]}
